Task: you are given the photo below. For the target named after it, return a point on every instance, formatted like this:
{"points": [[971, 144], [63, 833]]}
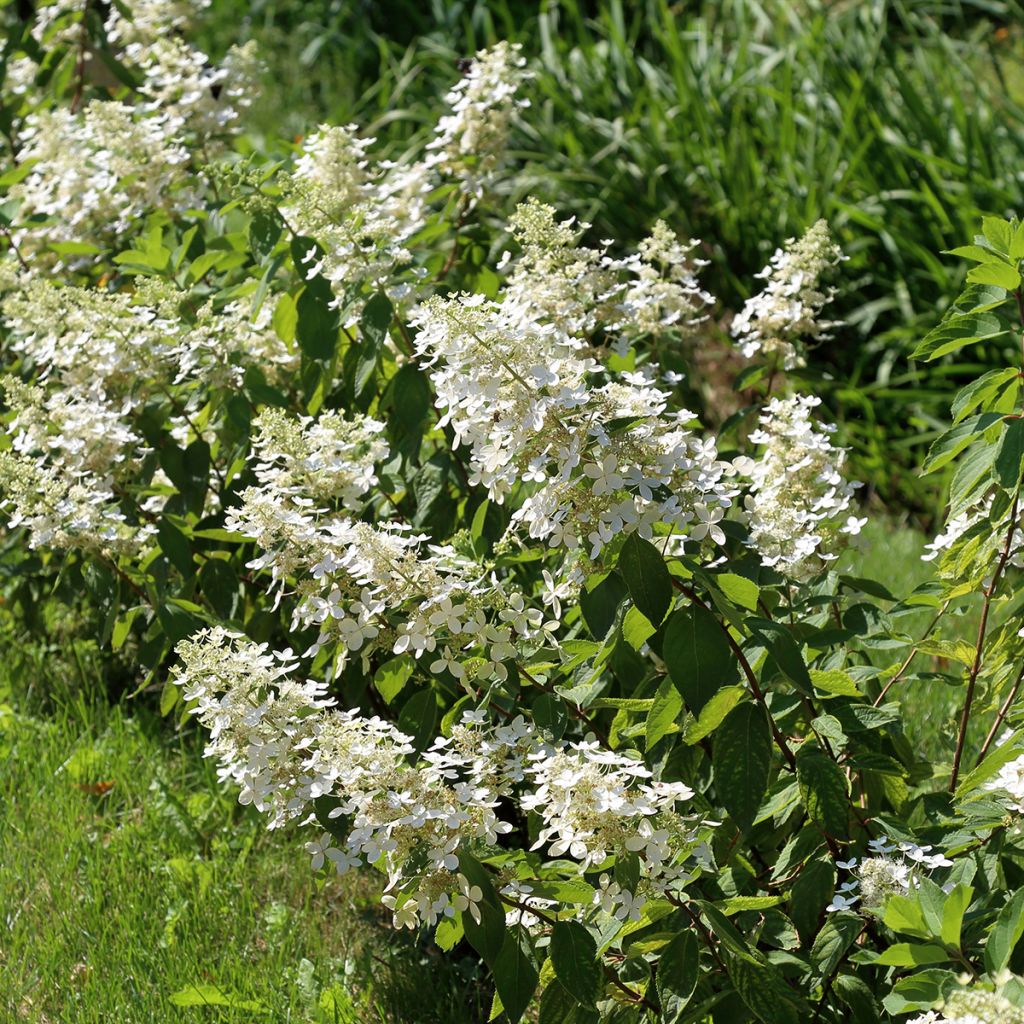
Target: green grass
{"points": [[112, 904]]}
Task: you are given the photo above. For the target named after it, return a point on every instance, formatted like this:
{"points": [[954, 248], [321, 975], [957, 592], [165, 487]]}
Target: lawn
{"points": [[135, 889]]}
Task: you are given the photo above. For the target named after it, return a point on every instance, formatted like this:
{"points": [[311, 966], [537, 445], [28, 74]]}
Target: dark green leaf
{"points": [[678, 969], [823, 789], [576, 961], [698, 656], [1010, 455], [647, 577], [515, 977], [742, 758]]}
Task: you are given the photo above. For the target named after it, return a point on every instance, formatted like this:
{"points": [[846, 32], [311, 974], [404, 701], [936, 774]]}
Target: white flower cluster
{"points": [[1009, 783], [797, 490], [362, 213], [60, 476], [893, 868], [365, 586], [286, 747], [94, 172], [470, 141], [780, 318], [974, 1005], [329, 459], [594, 459], [130, 344], [580, 289]]}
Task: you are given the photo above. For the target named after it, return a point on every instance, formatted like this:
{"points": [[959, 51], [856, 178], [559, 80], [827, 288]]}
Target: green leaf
{"points": [[823, 789], [981, 390], [392, 676], [973, 476], [285, 318], [647, 577], [713, 713], [832, 942], [998, 233], [174, 544], [971, 252], [737, 904], [169, 697], [663, 718], [600, 605], [742, 759], [834, 682], [1002, 275], [317, 322], [1010, 455], [219, 584], [515, 977], [698, 656], [678, 970], [910, 954], [956, 332], [1005, 933], [448, 933], [786, 652], [903, 914], [950, 444], [557, 1006], [953, 910], [811, 893], [921, 991], [213, 995], [636, 628], [765, 992], [376, 318], [576, 961], [739, 590]]}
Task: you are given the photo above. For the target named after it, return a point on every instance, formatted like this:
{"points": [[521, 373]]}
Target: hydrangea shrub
{"points": [[389, 483]]}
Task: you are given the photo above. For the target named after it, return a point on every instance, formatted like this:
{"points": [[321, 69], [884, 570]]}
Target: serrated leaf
{"points": [[998, 233], [835, 682], [713, 713], [737, 904], [739, 590], [956, 332], [742, 759], [823, 789], [515, 977], [678, 969], [912, 954], [981, 390], [1005, 933], [698, 656], [647, 577], [1002, 275], [834, 939], [636, 628], [576, 961], [665, 713], [950, 444]]}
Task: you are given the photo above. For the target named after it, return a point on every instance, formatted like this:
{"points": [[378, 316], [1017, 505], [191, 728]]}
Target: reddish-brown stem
{"points": [[1004, 710], [910, 657], [979, 647]]}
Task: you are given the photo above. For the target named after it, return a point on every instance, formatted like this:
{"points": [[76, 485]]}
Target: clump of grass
{"points": [[135, 889]]}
